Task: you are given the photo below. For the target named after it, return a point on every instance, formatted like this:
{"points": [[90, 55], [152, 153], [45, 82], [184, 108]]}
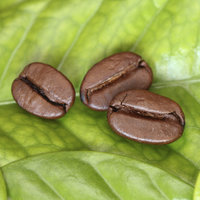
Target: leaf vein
{"points": [[48, 184], [148, 26], [156, 186], [192, 94], [76, 38], [20, 43], [15, 141], [160, 166], [72, 133], [106, 182]]}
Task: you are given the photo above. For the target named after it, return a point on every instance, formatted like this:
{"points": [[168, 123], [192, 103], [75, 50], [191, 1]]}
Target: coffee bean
{"points": [[146, 117], [43, 91], [113, 75]]}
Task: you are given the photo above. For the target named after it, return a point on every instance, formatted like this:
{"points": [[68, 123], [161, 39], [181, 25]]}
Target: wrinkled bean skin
{"points": [[113, 75], [146, 117], [43, 91]]}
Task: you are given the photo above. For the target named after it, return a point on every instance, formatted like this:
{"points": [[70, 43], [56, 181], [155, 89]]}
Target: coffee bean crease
{"points": [[146, 117], [128, 110], [115, 74], [114, 78], [42, 93]]}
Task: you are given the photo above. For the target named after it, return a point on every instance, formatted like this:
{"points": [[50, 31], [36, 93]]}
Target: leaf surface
{"points": [[197, 189], [3, 191], [72, 36], [90, 175]]}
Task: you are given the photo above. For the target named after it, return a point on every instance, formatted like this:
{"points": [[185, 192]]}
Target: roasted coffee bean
{"points": [[43, 91], [113, 75], [146, 117]]}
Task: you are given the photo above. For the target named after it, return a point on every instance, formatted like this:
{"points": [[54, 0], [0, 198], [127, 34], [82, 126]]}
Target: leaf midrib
{"points": [[99, 152], [172, 83]]}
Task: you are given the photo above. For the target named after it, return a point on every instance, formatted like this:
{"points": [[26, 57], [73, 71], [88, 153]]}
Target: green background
{"points": [[79, 156]]}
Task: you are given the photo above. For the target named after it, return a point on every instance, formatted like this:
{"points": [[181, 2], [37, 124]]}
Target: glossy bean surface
{"points": [[113, 75], [43, 91], [146, 117]]}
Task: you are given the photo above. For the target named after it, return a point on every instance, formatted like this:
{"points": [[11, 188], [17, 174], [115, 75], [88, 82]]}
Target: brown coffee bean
{"points": [[146, 117], [113, 75], [43, 91]]}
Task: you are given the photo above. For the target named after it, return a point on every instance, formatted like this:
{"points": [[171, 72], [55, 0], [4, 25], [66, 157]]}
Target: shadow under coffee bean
{"points": [[146, 117], [43, 91], [113, 75]]}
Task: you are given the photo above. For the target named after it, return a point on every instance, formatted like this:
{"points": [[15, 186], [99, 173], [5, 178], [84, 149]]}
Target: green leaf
{"points": [[9, 3], [197, 189], [89, 175], [25, 135], [72, 36], [3, 192]]}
